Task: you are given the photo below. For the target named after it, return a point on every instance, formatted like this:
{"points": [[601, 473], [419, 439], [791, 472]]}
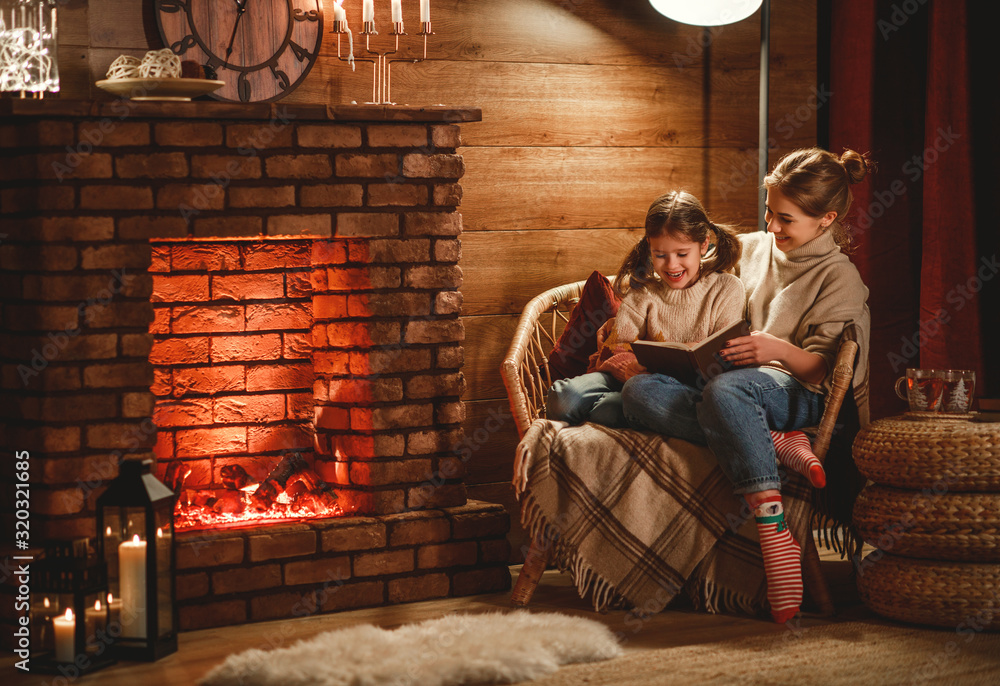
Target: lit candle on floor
{"points": [[368, 10], [425, 11], [94, 620], [397, 12], [114, 608], [132, 577], [65, 627]]}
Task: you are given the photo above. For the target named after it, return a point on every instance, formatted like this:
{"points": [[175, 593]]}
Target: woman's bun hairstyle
{"points": [[819, 181], [856, 165]]}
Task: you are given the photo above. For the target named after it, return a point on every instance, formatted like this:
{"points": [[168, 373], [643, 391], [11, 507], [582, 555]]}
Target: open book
{"points": [[691, 365]]}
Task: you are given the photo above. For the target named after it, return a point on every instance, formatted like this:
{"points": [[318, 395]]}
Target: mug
{"points": [[924, 389], [959, 384]]}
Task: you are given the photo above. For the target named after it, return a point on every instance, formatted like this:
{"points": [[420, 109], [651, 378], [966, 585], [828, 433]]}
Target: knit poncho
{"points": [[806, 297], [661, 313]]}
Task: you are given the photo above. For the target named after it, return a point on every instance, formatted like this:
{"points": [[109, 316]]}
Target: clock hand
{"points": [[242, 7]]}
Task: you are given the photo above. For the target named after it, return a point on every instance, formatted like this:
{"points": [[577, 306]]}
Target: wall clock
{"points": [[262, 49]]}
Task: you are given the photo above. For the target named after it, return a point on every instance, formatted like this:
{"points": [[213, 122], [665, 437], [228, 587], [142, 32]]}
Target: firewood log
{"points": [[291, 465], [234, 477]]}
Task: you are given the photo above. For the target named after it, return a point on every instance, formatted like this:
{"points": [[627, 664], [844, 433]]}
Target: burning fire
{"points": [[292, 490]]}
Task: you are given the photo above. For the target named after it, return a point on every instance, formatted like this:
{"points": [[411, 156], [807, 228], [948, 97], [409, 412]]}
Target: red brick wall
{"points": [[231, 355], [388, 356], [87, 186], [352, 346]]}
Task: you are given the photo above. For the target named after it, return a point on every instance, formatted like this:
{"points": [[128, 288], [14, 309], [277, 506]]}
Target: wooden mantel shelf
{"points": [[10, 107]]}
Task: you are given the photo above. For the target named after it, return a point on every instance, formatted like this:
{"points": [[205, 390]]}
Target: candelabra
{"points": [[381, 64]]}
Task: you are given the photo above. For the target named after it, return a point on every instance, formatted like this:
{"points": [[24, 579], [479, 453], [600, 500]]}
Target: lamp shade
{"points": [[706, 12]]}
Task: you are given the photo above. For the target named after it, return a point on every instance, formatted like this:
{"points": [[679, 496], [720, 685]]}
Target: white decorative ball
{"points": [[160, 64], [124, 67]]}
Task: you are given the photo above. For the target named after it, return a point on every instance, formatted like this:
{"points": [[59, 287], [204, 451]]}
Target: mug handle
{"points": [[901, 395]]}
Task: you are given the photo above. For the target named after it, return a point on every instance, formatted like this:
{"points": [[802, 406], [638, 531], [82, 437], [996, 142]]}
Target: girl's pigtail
{"points": [[636, 270], [726, 253]]}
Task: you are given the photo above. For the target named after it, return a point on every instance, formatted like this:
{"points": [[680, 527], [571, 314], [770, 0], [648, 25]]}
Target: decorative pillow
{"points": [[578, 342]]}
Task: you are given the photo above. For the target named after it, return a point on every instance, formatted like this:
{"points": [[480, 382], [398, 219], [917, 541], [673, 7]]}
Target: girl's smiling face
{"points": [[676, 261], [791, 226]]}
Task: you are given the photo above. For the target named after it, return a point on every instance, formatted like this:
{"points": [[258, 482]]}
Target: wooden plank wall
{"points": [[591, 108]]}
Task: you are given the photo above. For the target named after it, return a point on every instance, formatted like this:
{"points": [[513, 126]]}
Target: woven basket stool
{"points": [[937, 525], [957, 595], [913, 451], [934, 514]]}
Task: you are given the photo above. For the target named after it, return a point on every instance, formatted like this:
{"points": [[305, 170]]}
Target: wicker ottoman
{"points": [[934, 515]]}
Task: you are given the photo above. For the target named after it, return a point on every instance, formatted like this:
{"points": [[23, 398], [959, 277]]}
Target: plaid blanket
{"points": [[638, 518]]}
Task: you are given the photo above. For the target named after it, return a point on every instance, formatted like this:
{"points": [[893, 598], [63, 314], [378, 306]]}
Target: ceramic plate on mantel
{"points": [[168, 89]]}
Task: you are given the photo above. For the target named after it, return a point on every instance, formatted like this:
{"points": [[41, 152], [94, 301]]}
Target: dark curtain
{"points": [[906, 89]]}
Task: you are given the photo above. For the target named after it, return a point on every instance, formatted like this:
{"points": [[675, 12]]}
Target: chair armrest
{"points": [[525, 368], [843, 372]]}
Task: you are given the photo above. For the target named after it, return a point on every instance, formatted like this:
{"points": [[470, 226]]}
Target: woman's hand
{"points": [[757, 348], [761, 348]]}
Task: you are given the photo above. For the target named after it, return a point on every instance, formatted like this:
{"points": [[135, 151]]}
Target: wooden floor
{"points": [[200, 650]]}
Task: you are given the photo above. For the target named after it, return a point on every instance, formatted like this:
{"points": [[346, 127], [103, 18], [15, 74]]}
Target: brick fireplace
{"points": [[245, 292]]}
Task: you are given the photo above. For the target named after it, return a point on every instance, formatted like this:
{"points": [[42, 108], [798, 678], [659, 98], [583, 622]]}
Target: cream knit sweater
{"points": [[662, 313], [806, 297]]}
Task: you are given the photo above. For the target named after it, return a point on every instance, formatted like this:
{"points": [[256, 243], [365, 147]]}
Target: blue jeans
{"points": [[594, 397], [733, 416]]}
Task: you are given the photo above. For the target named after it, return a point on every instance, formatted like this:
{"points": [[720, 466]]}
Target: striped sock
{"points": [[795, 452], [782, 559]]}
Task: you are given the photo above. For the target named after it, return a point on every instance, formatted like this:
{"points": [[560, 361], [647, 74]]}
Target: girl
{"points": [[673, 288], [802, 291]]}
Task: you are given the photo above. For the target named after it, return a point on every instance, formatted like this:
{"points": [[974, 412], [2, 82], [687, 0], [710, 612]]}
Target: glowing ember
{"points": [[205, 517], [291, 491]]}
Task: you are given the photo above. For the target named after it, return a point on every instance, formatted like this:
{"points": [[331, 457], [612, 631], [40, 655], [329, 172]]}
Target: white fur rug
{"points": [[494, 648]]}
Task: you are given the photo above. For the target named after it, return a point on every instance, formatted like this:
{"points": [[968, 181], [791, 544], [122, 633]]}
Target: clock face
{"points": [[262, 49]]}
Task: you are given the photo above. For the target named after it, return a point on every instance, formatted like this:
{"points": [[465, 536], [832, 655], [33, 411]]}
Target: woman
{"points": [[802, 291]]}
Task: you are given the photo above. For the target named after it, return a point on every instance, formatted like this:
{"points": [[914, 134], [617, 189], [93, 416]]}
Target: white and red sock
{"points": [[782, 559], [795, 452]]}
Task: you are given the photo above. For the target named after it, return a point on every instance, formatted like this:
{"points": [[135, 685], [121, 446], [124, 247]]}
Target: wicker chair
{"points": [[527, 378]]}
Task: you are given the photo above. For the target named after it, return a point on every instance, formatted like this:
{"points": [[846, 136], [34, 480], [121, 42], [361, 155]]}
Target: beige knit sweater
{"points": [[806, 297], [662, 313]]}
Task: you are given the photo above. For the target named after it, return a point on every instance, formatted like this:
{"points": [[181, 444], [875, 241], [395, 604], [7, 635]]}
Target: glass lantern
{"points": [[28, 50], [136, 540], [69, 613]]}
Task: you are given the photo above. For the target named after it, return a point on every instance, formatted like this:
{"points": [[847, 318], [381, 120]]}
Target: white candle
{"points": [[132, 578], [93, 620], [65, 627], [368, 10], [425, 11], [338, 13], [397, 12], [115, 609]]}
